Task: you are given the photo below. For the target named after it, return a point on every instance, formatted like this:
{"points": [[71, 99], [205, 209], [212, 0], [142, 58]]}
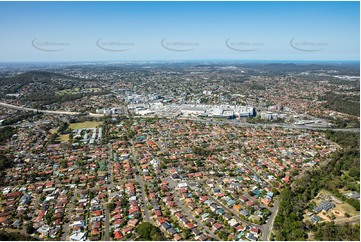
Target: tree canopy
{"points": [[147, 231]]}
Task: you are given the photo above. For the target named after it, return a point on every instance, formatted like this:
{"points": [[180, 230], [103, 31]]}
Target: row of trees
{"points": [[12, 236]]}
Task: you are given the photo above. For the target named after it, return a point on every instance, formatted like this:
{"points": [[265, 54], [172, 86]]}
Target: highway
{"points": [[220, 122], [278, 125], [10, 106], [6, 105]]}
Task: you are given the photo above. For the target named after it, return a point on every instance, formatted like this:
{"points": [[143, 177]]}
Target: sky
{"points": [[128, 31]]}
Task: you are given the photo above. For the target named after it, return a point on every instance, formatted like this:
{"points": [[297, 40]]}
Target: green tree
{"points": [[30, 229], [111, 206], [147, 231]]}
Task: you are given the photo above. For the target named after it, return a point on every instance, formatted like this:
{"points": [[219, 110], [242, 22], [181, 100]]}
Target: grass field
{"points": [[94, 89], [84, 125], [63, 138], [77, 90], [68, 91], [347, 208]]}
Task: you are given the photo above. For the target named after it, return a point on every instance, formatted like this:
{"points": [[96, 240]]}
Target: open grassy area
{"points": [[347, 208], [63, 138], [94, 89], [77, 90], [68, 91], [83, 125]]}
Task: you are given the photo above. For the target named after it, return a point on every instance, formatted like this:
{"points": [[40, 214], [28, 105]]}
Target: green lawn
{"points": [[83, 125], [68, 91], [63, 137]]}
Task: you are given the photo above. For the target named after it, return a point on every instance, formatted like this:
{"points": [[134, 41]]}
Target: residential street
{"points": [[172, 185], [141, 184], [107, 225], [66, 225], [267, 228], [230, 210]]}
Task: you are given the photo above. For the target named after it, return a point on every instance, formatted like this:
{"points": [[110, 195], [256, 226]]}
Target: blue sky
{"points": [[189, 30]]}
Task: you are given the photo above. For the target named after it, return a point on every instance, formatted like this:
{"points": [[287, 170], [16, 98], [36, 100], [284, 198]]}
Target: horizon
{"points": [[179, 31], [231, 61]]}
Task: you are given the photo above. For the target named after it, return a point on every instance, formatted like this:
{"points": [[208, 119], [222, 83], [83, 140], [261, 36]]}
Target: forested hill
{"points": [[36, 76], [342, 172]]}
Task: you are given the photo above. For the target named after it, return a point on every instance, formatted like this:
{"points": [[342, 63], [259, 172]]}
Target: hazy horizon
{"points": [[179, 31]]}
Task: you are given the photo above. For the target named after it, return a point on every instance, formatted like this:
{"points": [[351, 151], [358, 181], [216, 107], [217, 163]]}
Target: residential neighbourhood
{"points": [[193, 180], [151, 150]]}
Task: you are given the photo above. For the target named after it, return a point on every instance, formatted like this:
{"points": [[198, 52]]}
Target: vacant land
{"points": [[85, 125]]}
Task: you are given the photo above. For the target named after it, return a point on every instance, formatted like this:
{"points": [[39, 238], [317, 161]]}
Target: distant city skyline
{"points": [[179, 31]]}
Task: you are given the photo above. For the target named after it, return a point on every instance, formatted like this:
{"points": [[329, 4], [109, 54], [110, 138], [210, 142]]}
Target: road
{"points": [[110, 187], [354, 219], [106, 231], [225, 208], [251, 169], [268, 227], [24, 225], [244, 124], [69, 212], [6, 105], [249, 197], [141, 184], [185, 210], [110, 168], [235, 122]]}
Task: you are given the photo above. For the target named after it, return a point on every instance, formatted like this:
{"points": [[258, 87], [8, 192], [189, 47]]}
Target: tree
{"points": [[275, 191], [223, 235], [30, 229], [147, 231], [13, 236], [111, 206], [186, 233], [63, 163]]}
